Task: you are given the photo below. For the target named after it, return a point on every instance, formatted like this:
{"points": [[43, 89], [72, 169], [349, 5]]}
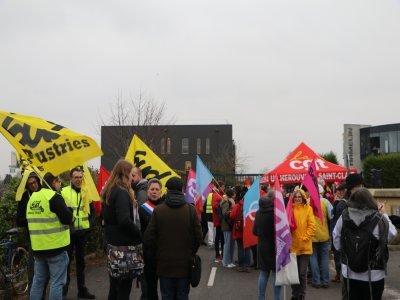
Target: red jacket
{"points": [[236, 215], [216, 200]]}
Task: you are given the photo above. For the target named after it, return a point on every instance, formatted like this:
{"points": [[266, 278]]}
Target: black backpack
{"points": [[361, 251]]}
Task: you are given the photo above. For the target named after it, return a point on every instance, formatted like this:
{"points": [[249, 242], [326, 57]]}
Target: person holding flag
{"points": [[302, 228], [264, 229]]}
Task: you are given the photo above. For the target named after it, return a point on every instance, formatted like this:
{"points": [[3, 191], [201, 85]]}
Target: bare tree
{"points": [[141, 115]]}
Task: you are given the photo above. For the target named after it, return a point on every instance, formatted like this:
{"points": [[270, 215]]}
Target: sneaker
{"points": [[325, 286], [231, 265], [316, 285]]}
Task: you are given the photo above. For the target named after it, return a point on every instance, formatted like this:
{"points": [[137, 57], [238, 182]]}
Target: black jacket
{"points": [[264, 229], [119, 227]]}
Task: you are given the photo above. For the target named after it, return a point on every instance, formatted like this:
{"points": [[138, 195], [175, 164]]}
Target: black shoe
{"points": [[65, 290], [85, 294]]}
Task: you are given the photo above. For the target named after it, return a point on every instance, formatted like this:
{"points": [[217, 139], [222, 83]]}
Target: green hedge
{"points": [[390, 166]]}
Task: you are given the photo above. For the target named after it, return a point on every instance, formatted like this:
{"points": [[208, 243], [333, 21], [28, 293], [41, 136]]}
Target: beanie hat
{"points": [[49, 178], [174, 183], [353, 180]]}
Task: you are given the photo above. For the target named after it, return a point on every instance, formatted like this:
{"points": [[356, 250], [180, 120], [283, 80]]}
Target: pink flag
{"points": [[311, 183], [283, 238], [289, 213]]}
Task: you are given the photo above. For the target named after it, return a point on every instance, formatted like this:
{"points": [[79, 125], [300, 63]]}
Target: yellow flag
{"points": [[140, 155], [88, 191], [48, 146]]}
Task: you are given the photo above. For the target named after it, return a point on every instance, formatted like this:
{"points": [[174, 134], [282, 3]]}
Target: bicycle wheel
{"points": [[19, 271]]}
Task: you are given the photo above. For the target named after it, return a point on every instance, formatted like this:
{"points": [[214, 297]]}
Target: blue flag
{"points": [[203, 177], [250, 208]]}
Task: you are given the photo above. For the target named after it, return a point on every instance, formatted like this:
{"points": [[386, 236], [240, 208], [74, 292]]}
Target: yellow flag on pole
{"points": [[48, 146], [141, 156], [88, 191]]}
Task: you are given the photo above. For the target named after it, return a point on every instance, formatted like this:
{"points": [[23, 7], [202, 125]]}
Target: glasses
{"points": [[297, 197], [77, 177], [32, 182]]}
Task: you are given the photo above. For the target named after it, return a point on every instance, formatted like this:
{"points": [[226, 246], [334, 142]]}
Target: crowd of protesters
{"points": [[135, 213]]}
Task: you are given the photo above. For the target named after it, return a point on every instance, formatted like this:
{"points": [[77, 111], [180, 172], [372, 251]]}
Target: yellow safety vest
{"points": [[74, 200], [209, 209], [45, 229]]}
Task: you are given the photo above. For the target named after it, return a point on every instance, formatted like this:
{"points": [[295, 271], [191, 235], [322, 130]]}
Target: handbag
{"points": [[289, 274], [125, 261], [195, 264], [195, 271]]}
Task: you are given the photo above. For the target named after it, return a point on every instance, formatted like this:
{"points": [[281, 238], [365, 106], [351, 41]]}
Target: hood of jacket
{"points": [[175, 198], [141, 185], [265, 206], [359, 215]]}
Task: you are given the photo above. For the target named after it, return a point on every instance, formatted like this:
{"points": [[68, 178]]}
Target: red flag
{"points": [[101, 181], [247, 182], [310, 181], [290, 214]]}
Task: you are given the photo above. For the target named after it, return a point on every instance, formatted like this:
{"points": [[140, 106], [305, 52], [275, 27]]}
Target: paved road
{"points": [[230, 284]]}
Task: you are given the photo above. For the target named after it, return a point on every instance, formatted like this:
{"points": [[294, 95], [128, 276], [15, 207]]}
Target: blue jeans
{"points": [[243, 254], [320, 263], [174, 288], [53, 267], [262, 285], [228, 248]]}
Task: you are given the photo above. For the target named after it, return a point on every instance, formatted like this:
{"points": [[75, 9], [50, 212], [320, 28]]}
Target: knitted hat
{"points": [[174, 183], [353, 180], [49, 178]]}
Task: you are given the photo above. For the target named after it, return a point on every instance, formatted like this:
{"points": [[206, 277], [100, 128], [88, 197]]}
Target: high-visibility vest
{"points": [[45, 229], [209, 209], [74, 200]]}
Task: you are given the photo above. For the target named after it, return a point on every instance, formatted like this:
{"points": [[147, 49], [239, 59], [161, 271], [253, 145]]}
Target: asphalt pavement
{"points": [[231, 284]]}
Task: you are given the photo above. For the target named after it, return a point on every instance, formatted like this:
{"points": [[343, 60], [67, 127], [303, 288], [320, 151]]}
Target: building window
{"points": [[185, 146], [198, 145], [207, 145], [168, 145], [162, 145]]}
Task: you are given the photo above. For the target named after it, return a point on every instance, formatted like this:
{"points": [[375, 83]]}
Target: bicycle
{"points": [[15, 274]]}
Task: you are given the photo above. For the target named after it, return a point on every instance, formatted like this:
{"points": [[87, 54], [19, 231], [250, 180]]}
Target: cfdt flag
{"points": [[141, 156], [310, 181], [203, 178], [250, 208], [283, 238], [46, 145], [190, 192]]}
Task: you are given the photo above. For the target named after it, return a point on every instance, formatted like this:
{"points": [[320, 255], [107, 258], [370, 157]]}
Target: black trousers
{"points": [[151, 279], [120, 289], [359, 290], [219, 238], [77, 247]]}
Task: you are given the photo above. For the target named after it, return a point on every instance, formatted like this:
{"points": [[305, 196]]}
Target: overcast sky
{"points": [[279, 71]]}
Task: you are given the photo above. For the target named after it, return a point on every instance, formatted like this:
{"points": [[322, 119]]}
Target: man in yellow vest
{"points": [[48, 222], [82, 209], [210, 224]]}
